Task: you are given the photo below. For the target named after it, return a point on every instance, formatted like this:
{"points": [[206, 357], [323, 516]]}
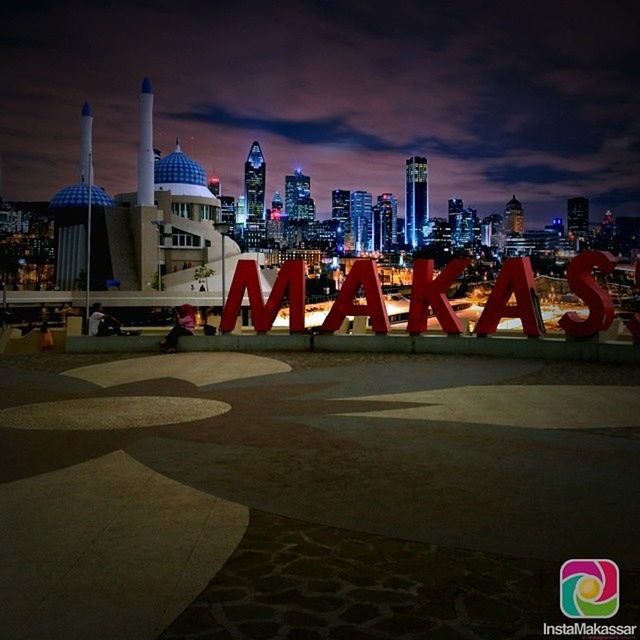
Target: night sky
{"points": [[541, 100]]}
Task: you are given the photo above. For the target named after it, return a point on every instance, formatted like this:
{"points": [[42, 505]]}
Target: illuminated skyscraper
{"points": [[361, 221], [214, 186], [417, 201], [255, 175], [298, 203], [277, 205], [578, 220], [385, 214], [341, 204], [514, 217]]}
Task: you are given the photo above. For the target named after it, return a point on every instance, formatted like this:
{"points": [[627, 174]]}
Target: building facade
{"points": [[417, 201]]}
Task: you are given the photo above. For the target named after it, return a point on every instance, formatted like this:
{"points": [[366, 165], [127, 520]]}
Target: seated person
{"points": [[185, 324], [102, 324]]}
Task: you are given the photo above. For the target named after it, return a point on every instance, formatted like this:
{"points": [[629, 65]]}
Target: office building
{"points": [[417, 201], [361, 221], [297, 192], [255, 176], [514, 217], [578, 221]]}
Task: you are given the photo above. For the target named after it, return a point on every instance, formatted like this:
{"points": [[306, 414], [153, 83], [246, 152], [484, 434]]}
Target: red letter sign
{"points": [[515, 278], [291, 279], [598, 300], [364, 273], [425, 292], [634, 323]]}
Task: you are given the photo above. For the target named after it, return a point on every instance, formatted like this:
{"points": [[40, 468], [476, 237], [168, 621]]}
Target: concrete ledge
{"points": [[252, 342], [370, 342], [615, 352], [112, 344]]}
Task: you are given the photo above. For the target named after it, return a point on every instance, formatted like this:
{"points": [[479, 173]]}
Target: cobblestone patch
{"points": [[295, 580]]}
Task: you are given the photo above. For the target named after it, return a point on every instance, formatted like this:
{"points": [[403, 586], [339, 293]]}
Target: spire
{"points": [[146, 86], [255, 157], [177, 149], [86, 109]]}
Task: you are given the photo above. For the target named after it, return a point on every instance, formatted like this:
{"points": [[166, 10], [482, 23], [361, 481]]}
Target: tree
{"points": [[202, 275]]}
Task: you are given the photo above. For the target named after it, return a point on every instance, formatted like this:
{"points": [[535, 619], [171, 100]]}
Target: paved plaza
{"points": [[309, 495]]}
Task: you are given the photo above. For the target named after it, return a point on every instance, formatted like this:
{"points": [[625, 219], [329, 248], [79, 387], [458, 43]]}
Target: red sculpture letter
{"points": [[291, 280], [515, 278], [364, 273], [634, 323], [582, 283], [426, 292]]}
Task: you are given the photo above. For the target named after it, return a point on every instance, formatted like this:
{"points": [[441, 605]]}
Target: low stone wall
{"points": [[594, 350]]}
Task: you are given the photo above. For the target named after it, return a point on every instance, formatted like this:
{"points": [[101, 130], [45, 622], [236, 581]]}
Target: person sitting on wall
{"points": [[185, 325], [101, 324]]}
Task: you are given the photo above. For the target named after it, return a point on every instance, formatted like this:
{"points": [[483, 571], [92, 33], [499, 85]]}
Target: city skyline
{"points": [[546, 117]]}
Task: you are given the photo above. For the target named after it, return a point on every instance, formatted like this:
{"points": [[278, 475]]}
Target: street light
{"points": [[222, 228]]}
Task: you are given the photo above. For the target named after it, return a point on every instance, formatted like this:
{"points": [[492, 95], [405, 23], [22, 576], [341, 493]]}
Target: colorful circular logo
{"points": [[589, 588]]}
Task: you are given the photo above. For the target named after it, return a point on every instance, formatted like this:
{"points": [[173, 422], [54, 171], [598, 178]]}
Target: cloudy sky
{"points": [[541, 100]]}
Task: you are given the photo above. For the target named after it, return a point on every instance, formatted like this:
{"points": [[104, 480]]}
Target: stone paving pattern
{"points": [[299, 581], [294, 579]]}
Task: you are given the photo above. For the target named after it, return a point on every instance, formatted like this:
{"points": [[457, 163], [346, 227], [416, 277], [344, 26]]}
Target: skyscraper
{"points": [[298, 203], [214, 186], [340, 204], [456, 208], [385, 214], [417, 201], [578, 220], [514, 217], [255, 175], [361, 221], [277, 205]]}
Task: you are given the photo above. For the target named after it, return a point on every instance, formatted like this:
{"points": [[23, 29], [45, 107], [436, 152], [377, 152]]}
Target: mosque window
{"points": [[206, 212], [185, 240], [182, 210]]}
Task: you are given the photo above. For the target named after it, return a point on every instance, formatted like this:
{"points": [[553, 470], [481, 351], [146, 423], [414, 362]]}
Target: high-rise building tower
{"points": [[456, 208], [578, 220], [361, 221], [277, 205], [255, 176], [514, 217], [417, 201], [214, 186], [341, 204], [298, 204], [385, 213]]}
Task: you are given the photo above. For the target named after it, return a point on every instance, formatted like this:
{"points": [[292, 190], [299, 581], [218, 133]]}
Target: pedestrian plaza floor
{"points": [[309, 495]]}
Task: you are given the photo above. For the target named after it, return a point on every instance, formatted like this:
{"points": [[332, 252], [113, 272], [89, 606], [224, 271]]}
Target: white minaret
{"points": [[86, 125], [145, 151]]}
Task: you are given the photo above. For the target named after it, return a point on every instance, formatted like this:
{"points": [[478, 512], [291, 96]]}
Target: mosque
{"points": [[163, 231]]}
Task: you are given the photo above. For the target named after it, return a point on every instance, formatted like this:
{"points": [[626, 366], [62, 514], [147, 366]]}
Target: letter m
{"points": [[290, 282]]}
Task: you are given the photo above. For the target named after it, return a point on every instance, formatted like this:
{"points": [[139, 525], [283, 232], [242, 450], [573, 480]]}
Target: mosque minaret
{"points": [[145, 149]]}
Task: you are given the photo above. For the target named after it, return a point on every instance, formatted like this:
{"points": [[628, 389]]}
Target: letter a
{"points": [[364, 273], [516, 278]]}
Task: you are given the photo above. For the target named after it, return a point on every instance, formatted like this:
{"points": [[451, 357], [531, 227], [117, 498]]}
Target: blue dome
{"points": [[77, 195], [177, 168]]}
